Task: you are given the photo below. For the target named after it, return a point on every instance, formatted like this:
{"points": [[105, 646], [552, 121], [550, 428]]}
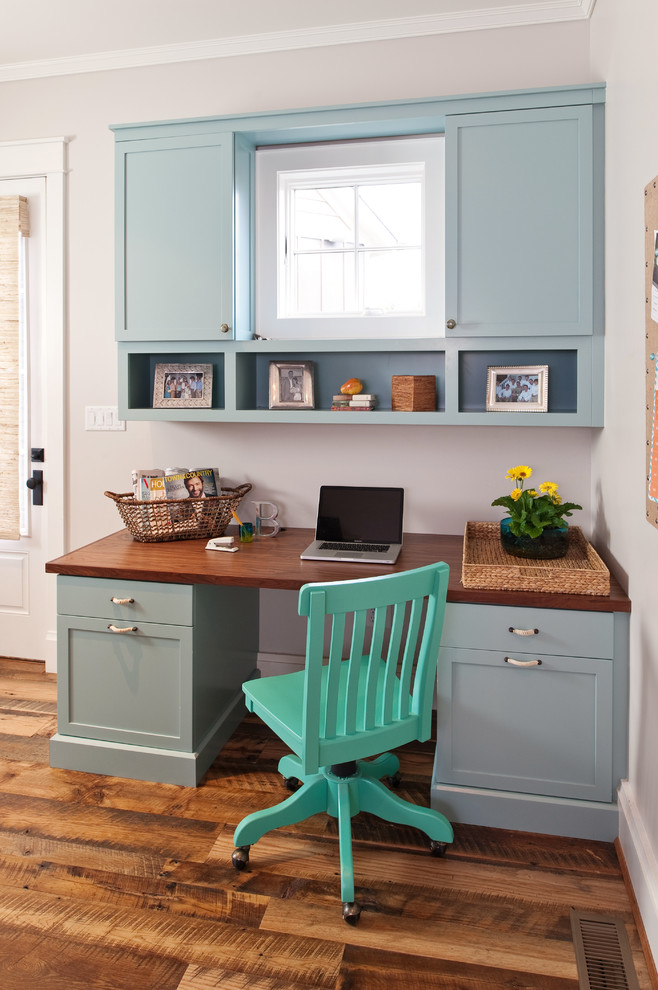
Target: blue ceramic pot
{"points": [[551, 544]]}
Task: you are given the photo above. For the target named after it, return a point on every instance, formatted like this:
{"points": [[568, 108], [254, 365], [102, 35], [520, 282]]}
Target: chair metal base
{"points": [[342, 797]]}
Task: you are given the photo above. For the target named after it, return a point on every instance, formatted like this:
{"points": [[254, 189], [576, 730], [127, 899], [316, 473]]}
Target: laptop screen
{"points": [[369, 515]]}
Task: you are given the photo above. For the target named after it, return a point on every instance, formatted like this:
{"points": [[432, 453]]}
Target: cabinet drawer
{"points": [[560, 632], [126, 601], [545, 729], [124, 687]]}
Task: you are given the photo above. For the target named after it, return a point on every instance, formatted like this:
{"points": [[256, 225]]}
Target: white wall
{"points": [[624, 54]]}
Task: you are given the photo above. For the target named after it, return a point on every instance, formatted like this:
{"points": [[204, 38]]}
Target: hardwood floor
{"points": [[125, 885]]}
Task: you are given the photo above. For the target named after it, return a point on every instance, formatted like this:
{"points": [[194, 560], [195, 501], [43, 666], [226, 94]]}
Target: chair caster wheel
{"points": [[395, 779], [351, 912], [240, 857], [438, 848], [292, 783]]}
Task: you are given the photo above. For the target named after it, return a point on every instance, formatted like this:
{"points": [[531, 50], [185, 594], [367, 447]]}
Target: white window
{"points": [[350, 239]]}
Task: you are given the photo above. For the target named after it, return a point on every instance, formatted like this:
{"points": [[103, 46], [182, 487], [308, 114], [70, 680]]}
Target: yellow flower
{"points": [[516, 493], [519, 472], [548, 487], [531, 491]]}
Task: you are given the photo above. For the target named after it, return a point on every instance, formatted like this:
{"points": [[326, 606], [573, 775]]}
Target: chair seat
{"points": [[279, 701]]}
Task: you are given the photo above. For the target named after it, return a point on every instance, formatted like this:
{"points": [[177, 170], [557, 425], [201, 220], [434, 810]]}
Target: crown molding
{"points": [[531, 13]]}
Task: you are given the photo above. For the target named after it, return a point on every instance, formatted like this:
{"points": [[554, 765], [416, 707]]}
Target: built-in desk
{"points": [[155, 640]]}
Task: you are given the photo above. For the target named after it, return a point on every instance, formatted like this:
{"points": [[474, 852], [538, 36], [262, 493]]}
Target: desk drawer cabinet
{"points": [[527, 715], [150, 675]]}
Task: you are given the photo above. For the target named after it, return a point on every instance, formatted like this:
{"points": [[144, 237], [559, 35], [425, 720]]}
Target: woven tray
{"points": [[178, 519], [485, 565]]}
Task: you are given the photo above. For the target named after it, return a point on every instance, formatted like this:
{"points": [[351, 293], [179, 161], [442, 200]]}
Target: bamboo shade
{"points": [[13, 221]]}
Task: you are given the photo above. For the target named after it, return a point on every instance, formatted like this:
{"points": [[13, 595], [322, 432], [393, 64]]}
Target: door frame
{"points": [[47, 158]]}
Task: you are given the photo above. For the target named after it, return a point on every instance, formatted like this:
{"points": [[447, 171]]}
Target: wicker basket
{"points": [[413, 393], [178, 519], [485, 565]]}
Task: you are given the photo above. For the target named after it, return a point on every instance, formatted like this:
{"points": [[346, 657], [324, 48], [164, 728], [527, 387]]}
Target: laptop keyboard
{"points": [[369, 547]]}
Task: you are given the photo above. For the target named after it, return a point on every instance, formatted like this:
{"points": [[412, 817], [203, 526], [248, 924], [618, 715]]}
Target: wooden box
{"points": [[413, 393]]}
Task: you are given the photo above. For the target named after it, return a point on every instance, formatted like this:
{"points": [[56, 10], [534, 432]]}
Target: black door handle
{"points": [[35, 483]]}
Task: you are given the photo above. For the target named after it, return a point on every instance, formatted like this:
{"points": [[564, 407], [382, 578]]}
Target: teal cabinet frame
{"points": [[240, 376], [542, 747], [524, 257], [150, 675]]}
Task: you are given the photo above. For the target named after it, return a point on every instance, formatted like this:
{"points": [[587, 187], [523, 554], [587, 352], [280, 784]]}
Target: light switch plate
{"points": [[103, 418]]}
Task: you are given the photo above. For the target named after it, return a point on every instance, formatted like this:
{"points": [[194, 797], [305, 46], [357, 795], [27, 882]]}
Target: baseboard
{"points": [[641, 864], [279, 663]]}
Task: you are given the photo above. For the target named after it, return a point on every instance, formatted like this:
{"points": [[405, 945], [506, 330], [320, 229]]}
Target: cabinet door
{"points": [[545, 729], [174, 238], [131, 688], [520, 222]]}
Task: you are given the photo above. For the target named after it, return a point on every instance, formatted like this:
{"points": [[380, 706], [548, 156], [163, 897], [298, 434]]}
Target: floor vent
{"points": [[603, 952]]}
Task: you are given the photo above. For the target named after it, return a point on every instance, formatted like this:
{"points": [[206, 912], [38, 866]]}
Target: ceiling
{"points": [[41, 37]]}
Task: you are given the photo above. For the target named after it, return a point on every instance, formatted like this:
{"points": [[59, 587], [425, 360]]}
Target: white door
{"points": [[27, 593]]}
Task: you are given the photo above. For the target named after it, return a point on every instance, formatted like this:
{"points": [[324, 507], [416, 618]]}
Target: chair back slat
{"points": [[362, 680], [409, 657], [392, 662], [374, 655], [334, 673], [353, 672]]}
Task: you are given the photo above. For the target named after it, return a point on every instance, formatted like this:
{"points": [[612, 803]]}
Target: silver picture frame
{"points": [[291, 385], [517, 389]]}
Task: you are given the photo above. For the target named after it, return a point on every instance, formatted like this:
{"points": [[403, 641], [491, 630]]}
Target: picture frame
{"points": [[517, 388], [291, 385], [182, 386]]}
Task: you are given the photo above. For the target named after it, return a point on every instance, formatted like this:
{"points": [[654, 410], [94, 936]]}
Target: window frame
{"points": [[270, 246]]}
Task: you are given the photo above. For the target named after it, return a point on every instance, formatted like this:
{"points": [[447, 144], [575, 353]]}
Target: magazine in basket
{"points": [[195, 483]]}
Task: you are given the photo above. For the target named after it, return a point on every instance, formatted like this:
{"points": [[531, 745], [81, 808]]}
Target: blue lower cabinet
{"points": [[150, 675], [528, 739]]}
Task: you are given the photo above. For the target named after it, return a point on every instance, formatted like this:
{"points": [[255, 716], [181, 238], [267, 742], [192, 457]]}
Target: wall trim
{"points": [[531, 13], [641, 863], [47, 158]]}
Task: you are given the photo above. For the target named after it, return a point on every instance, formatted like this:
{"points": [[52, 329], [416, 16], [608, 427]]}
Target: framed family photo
{"points": [[291, 385], [517, 389], [182, 386]]}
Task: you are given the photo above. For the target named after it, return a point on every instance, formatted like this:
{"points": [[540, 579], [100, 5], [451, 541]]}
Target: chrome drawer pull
{"points": [[523, 632], [122, 601], [117, 629], [523, 663]]}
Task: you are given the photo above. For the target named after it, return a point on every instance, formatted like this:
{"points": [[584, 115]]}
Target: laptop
{"points": [[358, 524]]}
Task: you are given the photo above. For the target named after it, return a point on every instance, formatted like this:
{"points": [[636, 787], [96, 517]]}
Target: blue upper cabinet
{"points": [[175, 244], [522, 192]]}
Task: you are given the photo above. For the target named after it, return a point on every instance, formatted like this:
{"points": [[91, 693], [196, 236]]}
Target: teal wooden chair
{"points": [[369, 691]]}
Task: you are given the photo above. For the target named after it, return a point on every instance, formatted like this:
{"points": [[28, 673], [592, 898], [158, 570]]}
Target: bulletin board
{"points": [[651, 343]]}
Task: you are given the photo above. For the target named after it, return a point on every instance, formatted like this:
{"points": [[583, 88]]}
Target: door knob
{"points": [[35, 484], [451, 324], [225, 328]]}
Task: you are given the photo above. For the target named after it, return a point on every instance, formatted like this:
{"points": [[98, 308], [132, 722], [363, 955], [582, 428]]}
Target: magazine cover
{"points": [[197, 483], [194, 483], [151, 488]]}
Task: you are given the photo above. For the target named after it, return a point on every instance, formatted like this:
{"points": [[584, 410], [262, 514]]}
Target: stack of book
{"points": [[353, 403]]}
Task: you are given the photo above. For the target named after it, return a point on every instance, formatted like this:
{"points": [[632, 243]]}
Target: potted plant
{"points": [[537, 525]]}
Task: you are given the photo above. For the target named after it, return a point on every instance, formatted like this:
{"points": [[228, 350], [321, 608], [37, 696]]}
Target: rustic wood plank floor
{"points": [[124, 885]]}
